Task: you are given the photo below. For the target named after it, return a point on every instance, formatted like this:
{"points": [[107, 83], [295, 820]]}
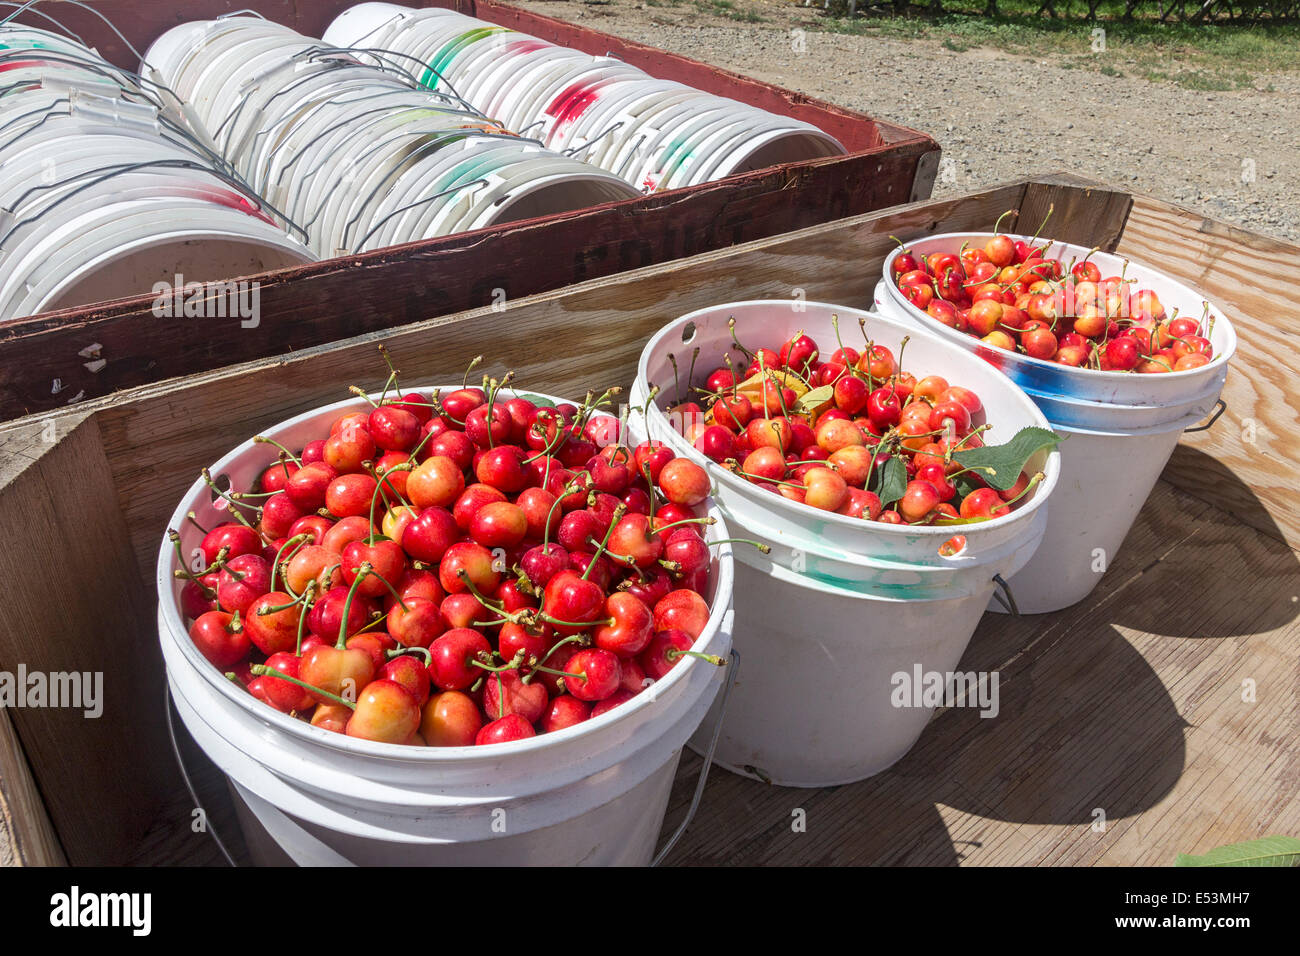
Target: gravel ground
{"points": [[1233, 156]]}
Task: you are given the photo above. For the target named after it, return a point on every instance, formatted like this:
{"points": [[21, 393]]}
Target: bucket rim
{"points": [[1219, 360], [175, 631], [792, 510]]}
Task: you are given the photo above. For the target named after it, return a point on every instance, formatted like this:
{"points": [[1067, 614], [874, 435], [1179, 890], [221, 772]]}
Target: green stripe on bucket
{"points": [[449, 51]]}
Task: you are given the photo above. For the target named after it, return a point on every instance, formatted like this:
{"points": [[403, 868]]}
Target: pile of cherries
{"points": [[453, 569], [828, 433], [1011, 295]]}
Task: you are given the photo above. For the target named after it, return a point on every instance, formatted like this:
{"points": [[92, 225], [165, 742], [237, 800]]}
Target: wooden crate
{"points": [[55, 359], [1130, 703]]}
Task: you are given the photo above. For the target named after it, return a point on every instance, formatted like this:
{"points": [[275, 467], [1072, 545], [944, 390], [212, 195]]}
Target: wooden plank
{"points": [[594, 334], [340, 298], [1246, 462], [1129, 702], [1074, 210], [27, 836], [74, 604], [43, 368]]}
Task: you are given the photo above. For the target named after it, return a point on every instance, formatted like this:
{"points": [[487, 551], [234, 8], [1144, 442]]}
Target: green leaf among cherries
{"points": [[1000, 465], [812, 399], [893, 481]]}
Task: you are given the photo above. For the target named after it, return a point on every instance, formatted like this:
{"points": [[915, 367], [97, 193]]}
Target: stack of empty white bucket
{"points": [[656, 134], [1120, 427], [106, 192], [362, 156], [841, 606], [592, 794]]}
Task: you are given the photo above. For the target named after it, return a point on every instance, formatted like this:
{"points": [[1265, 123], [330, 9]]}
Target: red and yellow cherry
{"points": [[342, 672], [450, 719], [385, 713]]}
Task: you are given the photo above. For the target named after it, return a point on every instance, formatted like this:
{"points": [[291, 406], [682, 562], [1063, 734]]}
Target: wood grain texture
{"points": [[75, 603], [1129, 703], [1070, 209], [304, 307], [27, 836], [1249, 465]]}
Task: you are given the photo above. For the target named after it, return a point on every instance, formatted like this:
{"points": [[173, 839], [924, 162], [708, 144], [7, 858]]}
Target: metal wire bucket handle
{"points": [[79, 101], [1220, 407], [478, 183], [405, 164], [1008, 602], [30, 4], [575, 150], [110, 172], [733, 668]]}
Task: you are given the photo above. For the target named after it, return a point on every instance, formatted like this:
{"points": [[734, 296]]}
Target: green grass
{"points": [[1206, 57], [728, 9]]}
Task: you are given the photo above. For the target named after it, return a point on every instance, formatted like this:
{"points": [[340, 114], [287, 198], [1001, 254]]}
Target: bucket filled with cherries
{"points": [[895, 479], [1120, 357], [420, 599]]}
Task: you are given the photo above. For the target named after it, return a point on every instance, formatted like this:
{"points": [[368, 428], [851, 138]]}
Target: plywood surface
{"points": [[1258, 439], [1129, 704], [1123, 737]]}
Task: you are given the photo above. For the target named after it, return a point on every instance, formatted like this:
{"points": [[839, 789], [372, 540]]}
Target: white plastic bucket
{"points": [[815, 704], [796, 525], [591, 794], [1122, 426], [1052, 378], [1106, 477], [841, 606]]}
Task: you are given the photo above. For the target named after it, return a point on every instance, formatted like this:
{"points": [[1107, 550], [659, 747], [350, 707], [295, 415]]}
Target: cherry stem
{"points": [[263, 612], [263, 440], [383, 351], [374, 495], [542, 616], [569, 489], [183, 571], [497, 606], [1042, 225], [393, 591], [1024, 491], [411, 649], [706, 520], [464, 382], [737, 470], [237, 515], [673, 654], [997, 226], [571, 639], [618, 516], [355, 390], [677, 383], [966, 438], [261, 670], [298, 541], [731, 326], [766, 549], [493, 669], [192, 519], [309, 599], [362, 572], [549, 670]]}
